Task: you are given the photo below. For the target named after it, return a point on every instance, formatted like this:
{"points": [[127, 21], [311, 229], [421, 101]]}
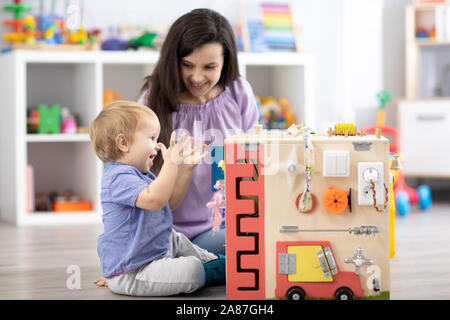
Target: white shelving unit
{"points": [[423, 117], [425, 58], [76, 80]]}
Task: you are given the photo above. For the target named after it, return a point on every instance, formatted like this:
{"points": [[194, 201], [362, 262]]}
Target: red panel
{"points": [[241, 284]]}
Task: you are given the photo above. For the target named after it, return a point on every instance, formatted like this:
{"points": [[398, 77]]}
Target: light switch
{"points": [[336, 163]]}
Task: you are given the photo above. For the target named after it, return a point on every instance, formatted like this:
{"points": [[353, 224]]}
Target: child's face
{"points": [[144, 147], [201, 70]]}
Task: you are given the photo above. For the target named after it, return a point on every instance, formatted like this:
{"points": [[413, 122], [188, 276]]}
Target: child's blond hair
{"points": [[119, 117]]}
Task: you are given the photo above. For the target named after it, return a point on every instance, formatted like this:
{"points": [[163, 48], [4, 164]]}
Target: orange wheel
{"points": [[335, 200]]}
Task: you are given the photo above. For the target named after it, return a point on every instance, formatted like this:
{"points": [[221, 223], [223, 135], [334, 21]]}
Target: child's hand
{"points": [[195, 154], [177, 151]]}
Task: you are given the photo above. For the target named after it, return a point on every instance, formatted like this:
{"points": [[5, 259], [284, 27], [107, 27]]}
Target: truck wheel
{"points": [[296, 293], [343, 294]]}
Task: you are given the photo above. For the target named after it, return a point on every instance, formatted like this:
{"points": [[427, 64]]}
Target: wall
{"points": [[358, 44], [394, 53]]}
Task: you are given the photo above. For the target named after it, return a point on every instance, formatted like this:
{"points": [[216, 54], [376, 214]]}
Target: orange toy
{"points": [[110, 96], [71, 206], [335, 200]]}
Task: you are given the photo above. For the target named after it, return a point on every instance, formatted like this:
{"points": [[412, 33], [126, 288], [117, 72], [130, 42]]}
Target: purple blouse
{"points": [[232, 112]]}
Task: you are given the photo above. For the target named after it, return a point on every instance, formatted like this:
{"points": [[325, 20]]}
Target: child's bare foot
{"points": [[101, 282]]}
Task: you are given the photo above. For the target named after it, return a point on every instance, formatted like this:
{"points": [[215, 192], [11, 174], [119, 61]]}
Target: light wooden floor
{"points": [[34, 260]]}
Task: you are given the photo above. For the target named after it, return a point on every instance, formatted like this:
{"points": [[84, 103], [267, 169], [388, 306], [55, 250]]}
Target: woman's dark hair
{"points": [[188, 32]]}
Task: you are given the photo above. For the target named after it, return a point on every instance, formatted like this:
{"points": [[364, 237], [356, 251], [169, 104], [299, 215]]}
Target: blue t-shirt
{"points": [[132, 236]]}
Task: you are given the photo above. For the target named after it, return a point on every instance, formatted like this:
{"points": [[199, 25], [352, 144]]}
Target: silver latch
{"points": [[358, 260], [323, 264], [286, 263]]}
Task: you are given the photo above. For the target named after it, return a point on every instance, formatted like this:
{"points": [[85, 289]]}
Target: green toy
{"points": [[49, 118], [18, 8], [384, 96], [146, 40]]}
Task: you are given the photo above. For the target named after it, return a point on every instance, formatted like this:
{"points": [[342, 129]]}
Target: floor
{"points": [[43, 262]]}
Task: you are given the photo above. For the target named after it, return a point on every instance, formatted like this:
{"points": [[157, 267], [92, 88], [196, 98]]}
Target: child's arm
{"points": [[183, 180], [156, 195], [185, 175]]}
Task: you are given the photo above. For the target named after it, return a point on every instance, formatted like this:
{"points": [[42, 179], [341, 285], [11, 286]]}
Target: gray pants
{"points": [[179, 271]]}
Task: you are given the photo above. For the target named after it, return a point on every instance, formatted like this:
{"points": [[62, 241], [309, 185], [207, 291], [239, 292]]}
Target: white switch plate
{"points": [[365, 197], [336, 163]]}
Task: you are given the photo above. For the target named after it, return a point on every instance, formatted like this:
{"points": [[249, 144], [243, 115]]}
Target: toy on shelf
{"points": [[65, 205], [275, 252], [65, 202], [68, 123], [16, 23], [404, 195], [110, 96], [47, 31], [29, 187], [127, 37], [42, 119], [145, 40], [275, 114], [266, 26]]}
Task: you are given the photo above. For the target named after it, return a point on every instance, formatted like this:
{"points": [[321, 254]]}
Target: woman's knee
{"points": [[211, 241]]}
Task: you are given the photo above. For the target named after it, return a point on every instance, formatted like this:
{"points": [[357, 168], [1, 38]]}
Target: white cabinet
{"points": [[425, 142], [76, 80]]}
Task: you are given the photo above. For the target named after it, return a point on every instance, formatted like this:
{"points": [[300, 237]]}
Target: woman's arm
{"points": [[185, 174]]}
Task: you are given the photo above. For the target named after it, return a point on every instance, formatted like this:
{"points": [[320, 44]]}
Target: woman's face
{"points": [[201, 71]]}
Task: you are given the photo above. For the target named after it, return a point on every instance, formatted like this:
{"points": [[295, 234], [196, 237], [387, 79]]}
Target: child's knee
{"points": [[194, 272]]}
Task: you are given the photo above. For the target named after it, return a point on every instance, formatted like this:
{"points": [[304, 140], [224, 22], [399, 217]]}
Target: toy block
{"points": [[71, 206], [49, 118]]}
